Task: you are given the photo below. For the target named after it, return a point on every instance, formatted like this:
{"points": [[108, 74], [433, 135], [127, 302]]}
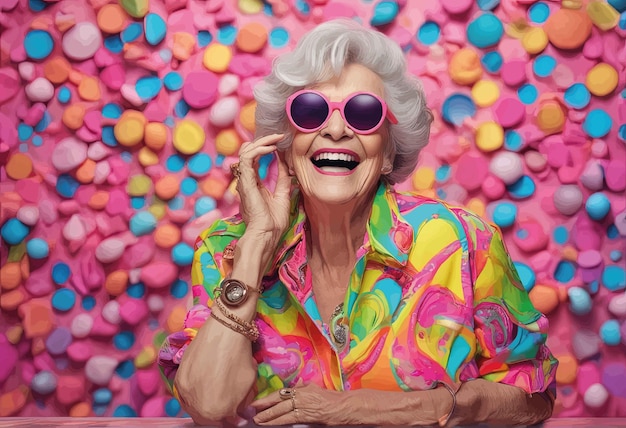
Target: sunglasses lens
{"points": [[363, 112], [309, 110]]}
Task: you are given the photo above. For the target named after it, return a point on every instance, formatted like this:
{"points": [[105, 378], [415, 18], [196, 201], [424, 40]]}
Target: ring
{"points": [[287, 393], [293, 403], [234, 169]]}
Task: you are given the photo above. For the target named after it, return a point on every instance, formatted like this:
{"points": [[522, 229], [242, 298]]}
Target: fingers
{"points": [[266, 402], [282, 410], [283, 181], [251, 152]]}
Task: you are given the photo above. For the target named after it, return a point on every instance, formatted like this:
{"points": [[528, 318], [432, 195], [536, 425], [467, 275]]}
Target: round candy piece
{"points": [[464, 67], [217, 57], [568, 199], [579, 301], [38, 44], [37, 248], [534, 40], [63, 299], [182, 254], [526, 274], [129, 130], [603, 15], [602, 79], [200, 89], [456, 7], [522, 188], [544, 65], [279, 37], [610, 333], [597, 124], [142, 223], [148, 87], [485, 93], [485, 31], [509, 112], [155, 135], [384, 12], [19, 166], [492, 61], [155, 28], [199, 164], [227, 142], [136, 8], [82, 41], [44, 382], [429, 33], [111, 18], [513, 72], [251, 38], [504, 214], [489, 136], [598, 205], [173, 81], [527, 93], [60, 273], [507, 166], [14, 231], [539, 12], [568, 28], [614, 278], [551, 117], [456, 108], [577, 96], [596, 395], [188, 137]]}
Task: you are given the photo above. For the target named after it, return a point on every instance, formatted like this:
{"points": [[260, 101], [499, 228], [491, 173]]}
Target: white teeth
{"points": [[335, 156]]}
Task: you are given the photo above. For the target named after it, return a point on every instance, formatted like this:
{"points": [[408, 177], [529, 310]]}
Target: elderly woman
{"points": [[334, 299]]}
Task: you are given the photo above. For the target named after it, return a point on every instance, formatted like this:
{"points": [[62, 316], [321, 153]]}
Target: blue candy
{"points": [[136, 290], [102, 396], [132, 32], [544, 65], [199, 164], [614, 278], [155, 28], [522, 188], [89, 302], [108, 136], [278, 37], [204, 38], [597, 206], [560, 235], [173, 81], [137, 202], [485, 31], [456, 108], [526, 275], [443, 173], [172, 407], [597, 123], [539, 12], [37, 248], [114, 43], [37, 141], [60, 273], [142, 223], [24, 132], [610, 334], [487, 4], [124, 340], [615, 255], [182, 254], [384, 13], [188, 186], [579, 301], [44, 122], [527, 93], [513, 140], [492, 61], [181, 109], [564, 271], [14, 231], [67, 185], [175, 163], [148, 87], [124, 411], [227, 34], [111, 111], [38, 44], [577, 96], [504, 214], [203, 205], [125, 369], [618, 5], [63, 299], [179, 289], [429, 33]]}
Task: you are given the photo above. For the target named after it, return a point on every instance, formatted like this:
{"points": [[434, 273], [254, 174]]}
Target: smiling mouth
{"points": [[334, 162]]}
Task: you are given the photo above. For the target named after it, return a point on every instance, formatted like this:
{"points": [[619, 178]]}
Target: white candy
{"points": [[74, 229], [507, 166], [40, 90], [82, 41], [98, 151], [28, 214], [111, 312], [99, 369], [110, 250], [68, 154], [44, 382], [228, 84], [103, 169], [155, 303], [617, 305], [596, 395], [568, 199], [81, 326], [26, 70], [224, 111]]}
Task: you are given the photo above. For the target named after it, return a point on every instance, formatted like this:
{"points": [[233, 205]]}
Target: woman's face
{"points": [[340, 182]]}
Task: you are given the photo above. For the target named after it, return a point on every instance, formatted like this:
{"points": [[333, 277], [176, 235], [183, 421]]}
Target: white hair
{"points": [[321, 54]]}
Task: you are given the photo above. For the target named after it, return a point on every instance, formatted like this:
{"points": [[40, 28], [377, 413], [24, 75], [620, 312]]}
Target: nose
{"points": [[336, 128]]}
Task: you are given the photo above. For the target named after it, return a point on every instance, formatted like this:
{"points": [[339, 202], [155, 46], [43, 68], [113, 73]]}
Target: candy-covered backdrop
{"points": [[118, 122]]}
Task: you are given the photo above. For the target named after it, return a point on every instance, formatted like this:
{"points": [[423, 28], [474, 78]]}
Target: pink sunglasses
{"points": [[363, 112]]}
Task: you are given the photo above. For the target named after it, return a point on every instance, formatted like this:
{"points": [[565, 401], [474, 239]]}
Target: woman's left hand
{"points": [[313, 405]]}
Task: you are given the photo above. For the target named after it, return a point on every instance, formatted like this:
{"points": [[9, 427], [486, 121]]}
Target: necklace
{"points": [[338, 326]]}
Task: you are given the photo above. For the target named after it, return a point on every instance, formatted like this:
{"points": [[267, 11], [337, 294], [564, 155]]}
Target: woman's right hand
{"points": [[266, 214]]}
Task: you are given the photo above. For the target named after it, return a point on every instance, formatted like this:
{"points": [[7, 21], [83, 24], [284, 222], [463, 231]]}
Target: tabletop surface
{"points": [[188, 423]]}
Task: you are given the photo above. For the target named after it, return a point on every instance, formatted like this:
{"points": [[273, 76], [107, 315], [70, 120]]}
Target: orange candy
{"points": [[155, 136], [12, 299], [167, 187], [99, 200], [214, 187], [246, 116], [129, 129], [80, 410], [89, 88], [176, 319], [166, 236], [73, 116], [544, 298], [10, 276], [551, 117], [568, 28], [86, 172], [116, 282], [251, 37], [111, 18], [19, 166], [57, 70], [465, 67], [567, 370], [183, 45]]}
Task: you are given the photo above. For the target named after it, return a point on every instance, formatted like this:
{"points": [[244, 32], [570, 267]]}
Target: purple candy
{"points": [[58, 341], [614, 379]]}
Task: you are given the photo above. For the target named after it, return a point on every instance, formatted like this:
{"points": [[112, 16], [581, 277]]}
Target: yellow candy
{"points": [[250, 7], [146, 357], [476, 206], [489, 136], [217, 57], [147, 157], [129, 129], [139, 185], [423, 178], [572, 4], [517, 29], [175, 320], [465, 67], [246, 116], [535, 40], [227, 142], [188, 137], [158, 210], [551, 117], [601, 79], [485, 93], [603, 15]]}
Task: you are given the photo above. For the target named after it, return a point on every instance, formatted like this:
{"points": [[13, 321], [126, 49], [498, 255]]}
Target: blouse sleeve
{"points": [[510, 333], [207, 271]]}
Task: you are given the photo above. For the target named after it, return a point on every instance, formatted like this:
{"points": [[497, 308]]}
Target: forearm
{"points": [[478, 401], [217, 371]]}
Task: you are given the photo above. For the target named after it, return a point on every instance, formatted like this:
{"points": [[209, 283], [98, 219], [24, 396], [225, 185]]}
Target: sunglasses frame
{"points": [[340, 105]]}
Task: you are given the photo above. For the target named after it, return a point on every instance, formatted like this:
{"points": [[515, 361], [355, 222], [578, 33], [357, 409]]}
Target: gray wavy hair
{"points": [[321, 54]]}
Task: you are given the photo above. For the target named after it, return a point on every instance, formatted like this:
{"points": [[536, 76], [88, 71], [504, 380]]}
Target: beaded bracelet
{"points": [[248, 325], [251, 335]]}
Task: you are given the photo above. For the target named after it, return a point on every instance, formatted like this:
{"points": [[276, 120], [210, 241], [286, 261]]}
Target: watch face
{"points": [[234, 292]]}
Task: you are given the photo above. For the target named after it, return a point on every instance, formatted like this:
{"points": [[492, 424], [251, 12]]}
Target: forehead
{"points": [[353, 78]]}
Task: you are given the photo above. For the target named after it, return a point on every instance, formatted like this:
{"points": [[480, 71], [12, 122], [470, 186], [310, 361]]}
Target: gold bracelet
{"points": [[237, 328], [249, 325]]}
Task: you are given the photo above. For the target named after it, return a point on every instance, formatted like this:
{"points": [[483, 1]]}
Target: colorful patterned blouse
{"points": [[433, 296]]}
